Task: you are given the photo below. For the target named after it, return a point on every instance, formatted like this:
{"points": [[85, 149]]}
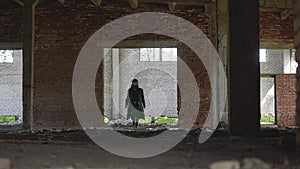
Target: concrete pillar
{"points": [[210, 11], [244, 73], [218, 13], [116, 83], [107, 80], [297, 45], [222, 42], [28, 61]]}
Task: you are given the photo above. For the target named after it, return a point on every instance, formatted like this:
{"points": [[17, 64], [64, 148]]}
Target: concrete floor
{"points": [[73, 149]]}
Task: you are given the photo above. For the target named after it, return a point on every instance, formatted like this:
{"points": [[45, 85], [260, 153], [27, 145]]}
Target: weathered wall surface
{"points": [[297, 46], [276, 29], [11, 23], [285, 100], [62, 29], [273, 27]]}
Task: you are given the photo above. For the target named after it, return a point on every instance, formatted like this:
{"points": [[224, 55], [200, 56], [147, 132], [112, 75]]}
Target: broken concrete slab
{"points": [[225, 165], [247, 163], [254, 163]]}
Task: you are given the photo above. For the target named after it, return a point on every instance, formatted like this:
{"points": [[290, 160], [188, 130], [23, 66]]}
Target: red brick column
{"points": [[285, 100]]}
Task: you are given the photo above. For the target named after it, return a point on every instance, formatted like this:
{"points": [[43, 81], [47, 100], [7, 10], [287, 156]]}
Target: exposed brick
{"points": [[285, 100], [273, 27], [11, 23], [62, 29]]}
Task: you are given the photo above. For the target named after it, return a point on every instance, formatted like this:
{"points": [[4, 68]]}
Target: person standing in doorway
{"points": [[135, 103]]}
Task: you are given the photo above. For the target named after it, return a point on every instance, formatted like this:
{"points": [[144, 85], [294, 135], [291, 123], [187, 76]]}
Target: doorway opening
{"points": [[156, 71], [11, 75]]}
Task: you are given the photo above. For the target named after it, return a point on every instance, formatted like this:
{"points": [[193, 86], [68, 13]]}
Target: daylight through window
{"points": [[262, 55], [158, 54], [6, 56]]}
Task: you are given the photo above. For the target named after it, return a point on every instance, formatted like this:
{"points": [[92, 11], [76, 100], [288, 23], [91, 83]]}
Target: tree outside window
{"points": [[6, 56]]}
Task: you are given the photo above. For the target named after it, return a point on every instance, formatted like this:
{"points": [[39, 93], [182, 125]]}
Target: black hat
{"points": [[134, 80]]}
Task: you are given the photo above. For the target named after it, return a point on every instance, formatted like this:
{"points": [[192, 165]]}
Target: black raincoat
{"points": [[135, 103]]}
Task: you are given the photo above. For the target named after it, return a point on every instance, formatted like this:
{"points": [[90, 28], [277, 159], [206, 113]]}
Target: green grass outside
{"points": [[267, 119], [4, 119], [157, 120], [106, 120], [166, 120], [264, 119]]}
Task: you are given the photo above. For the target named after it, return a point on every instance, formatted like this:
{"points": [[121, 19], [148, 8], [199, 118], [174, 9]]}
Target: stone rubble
{"points": [[247, 163]]}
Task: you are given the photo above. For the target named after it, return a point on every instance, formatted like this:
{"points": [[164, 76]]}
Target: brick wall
{"points": [[273, 27], [61, 31], [297, 55], [11, 23], [285, 100], [202, 79], [271, 24]]}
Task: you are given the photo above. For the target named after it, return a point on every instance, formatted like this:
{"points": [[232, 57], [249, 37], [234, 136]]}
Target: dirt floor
{"points": [[72, 149]]}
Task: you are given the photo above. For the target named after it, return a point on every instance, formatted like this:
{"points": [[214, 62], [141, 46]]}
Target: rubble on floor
{"points": [[247, 163]]}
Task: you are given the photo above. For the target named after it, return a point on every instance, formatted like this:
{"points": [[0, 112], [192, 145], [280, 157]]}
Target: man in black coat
{"points": [[135, 103]]}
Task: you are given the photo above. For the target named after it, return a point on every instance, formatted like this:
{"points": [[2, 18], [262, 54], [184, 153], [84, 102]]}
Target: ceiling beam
{"points": [[96, 2], [172, 6], [195, 2], [61, 1], [20, 2], [277, 43], [264, 4], [167, 43], [133, 3], [179, 1], [267, 4]]}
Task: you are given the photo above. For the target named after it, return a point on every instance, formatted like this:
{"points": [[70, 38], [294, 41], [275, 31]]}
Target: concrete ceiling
{"points": [[267, 4], [98, 2]]}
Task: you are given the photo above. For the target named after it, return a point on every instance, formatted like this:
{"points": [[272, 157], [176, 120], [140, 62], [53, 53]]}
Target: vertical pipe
{"points": [[28, 62]]}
